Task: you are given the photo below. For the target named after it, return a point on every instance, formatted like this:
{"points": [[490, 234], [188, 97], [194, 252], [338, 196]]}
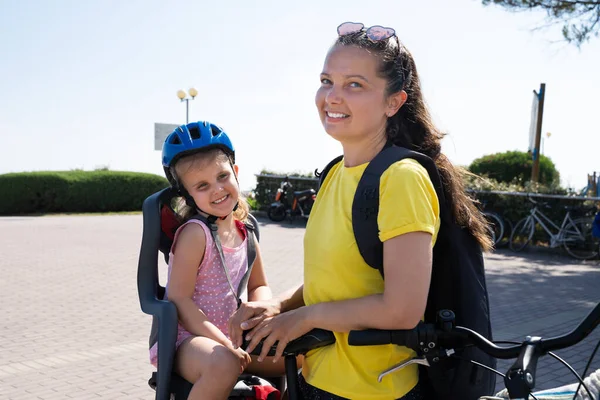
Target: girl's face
{"points": [[351, 101], [211, 182]]}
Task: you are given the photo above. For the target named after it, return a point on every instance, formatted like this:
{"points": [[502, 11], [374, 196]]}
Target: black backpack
{"points": [[457, 281]]}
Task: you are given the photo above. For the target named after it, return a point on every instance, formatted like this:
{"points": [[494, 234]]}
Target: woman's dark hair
{"points": [[412, 126]]}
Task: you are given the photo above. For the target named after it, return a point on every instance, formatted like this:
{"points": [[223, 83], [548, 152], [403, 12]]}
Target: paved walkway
{"points": [[71, 325]]}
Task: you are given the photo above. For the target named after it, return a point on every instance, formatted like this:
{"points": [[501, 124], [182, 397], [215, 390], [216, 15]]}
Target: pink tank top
{"points": [[212, 293]]}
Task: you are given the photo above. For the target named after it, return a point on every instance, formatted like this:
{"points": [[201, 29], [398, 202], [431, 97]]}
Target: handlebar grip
{"points": [[369, 337], [410, 338]]}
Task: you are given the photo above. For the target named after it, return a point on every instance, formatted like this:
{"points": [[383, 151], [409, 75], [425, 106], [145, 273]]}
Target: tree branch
{"points": [[580, 18]]}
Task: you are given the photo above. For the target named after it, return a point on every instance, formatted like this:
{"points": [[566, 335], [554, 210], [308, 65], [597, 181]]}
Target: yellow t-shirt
{"points": [[334, 270]]}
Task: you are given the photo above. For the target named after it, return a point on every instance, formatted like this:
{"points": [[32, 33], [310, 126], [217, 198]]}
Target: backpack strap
{"points": [[323, 174], [365, 207], [457, 278]]}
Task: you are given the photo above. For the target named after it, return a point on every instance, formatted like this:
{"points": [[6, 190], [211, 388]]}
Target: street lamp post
{"points": [[183, 97]]}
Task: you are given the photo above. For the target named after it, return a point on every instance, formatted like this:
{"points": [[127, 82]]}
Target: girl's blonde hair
{"points": [[198, 160]]}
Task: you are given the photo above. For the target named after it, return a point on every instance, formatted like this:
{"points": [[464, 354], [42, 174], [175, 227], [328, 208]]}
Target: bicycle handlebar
{"points": [[430, 336], [460, 336], [434, 341], [371, 337], [538, 203]]}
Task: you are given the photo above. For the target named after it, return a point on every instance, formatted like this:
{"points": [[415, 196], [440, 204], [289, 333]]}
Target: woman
{"points": [[370, 96]]}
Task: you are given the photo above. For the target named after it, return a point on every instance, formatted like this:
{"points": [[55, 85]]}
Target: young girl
{"points": [[199, 161], [370, 95]]}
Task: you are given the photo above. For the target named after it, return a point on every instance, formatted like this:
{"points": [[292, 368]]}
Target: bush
{"points": [[515, 167], [252, 203], [76, 191]]}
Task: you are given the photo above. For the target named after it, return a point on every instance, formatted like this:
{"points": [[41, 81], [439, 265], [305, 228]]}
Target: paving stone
{"points": [[72, 326]]}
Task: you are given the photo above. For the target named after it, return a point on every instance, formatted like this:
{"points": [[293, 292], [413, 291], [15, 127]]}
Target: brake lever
{"points": [[420, 361], [428, 345]]}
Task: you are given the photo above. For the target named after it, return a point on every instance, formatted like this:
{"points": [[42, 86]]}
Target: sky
{"points": [[82, 83]]}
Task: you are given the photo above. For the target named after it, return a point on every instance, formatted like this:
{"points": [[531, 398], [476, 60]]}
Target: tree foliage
{"points": [[580, 19], [514, 167]]}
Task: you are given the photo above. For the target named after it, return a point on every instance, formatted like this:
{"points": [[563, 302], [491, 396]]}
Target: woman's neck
{"points": [[360, 152]]}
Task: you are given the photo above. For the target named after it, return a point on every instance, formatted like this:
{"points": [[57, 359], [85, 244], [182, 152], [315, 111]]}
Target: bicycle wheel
{"points": [[495, 225], [508, 229], [521, 234], [579, 241]]}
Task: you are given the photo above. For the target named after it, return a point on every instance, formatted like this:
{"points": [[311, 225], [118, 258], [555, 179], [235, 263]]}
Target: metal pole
{"points": [[542, 152], [187, 111], [535, 170]]}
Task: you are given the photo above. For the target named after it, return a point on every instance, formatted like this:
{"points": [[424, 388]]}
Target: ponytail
{"points": [[412, 127]]}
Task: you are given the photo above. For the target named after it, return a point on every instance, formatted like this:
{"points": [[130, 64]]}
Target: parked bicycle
{"points": [[575, 235], [500, 228]]}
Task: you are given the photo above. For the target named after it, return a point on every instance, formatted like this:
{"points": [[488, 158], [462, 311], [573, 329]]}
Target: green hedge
{"points": [[76, 191]]}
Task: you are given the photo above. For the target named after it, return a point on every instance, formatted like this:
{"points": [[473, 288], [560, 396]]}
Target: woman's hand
{"points": [[249, 315], [282, 329]]}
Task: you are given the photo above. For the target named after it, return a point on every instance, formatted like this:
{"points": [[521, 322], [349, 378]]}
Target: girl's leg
{"points": [[212, 367], [267, 369]]}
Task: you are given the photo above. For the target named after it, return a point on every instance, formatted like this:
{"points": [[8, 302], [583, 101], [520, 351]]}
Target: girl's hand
{"points": [[249, 315], [282, 329], [243, 357]]}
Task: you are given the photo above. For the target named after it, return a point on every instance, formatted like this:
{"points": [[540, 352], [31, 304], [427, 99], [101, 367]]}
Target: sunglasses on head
{"points": [[376, 33]]}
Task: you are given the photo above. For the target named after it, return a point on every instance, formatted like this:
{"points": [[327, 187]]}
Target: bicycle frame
{"points": [[561, 235]]}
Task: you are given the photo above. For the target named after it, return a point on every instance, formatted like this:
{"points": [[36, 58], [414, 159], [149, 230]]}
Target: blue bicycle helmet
{"points": [[190, 138]]}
